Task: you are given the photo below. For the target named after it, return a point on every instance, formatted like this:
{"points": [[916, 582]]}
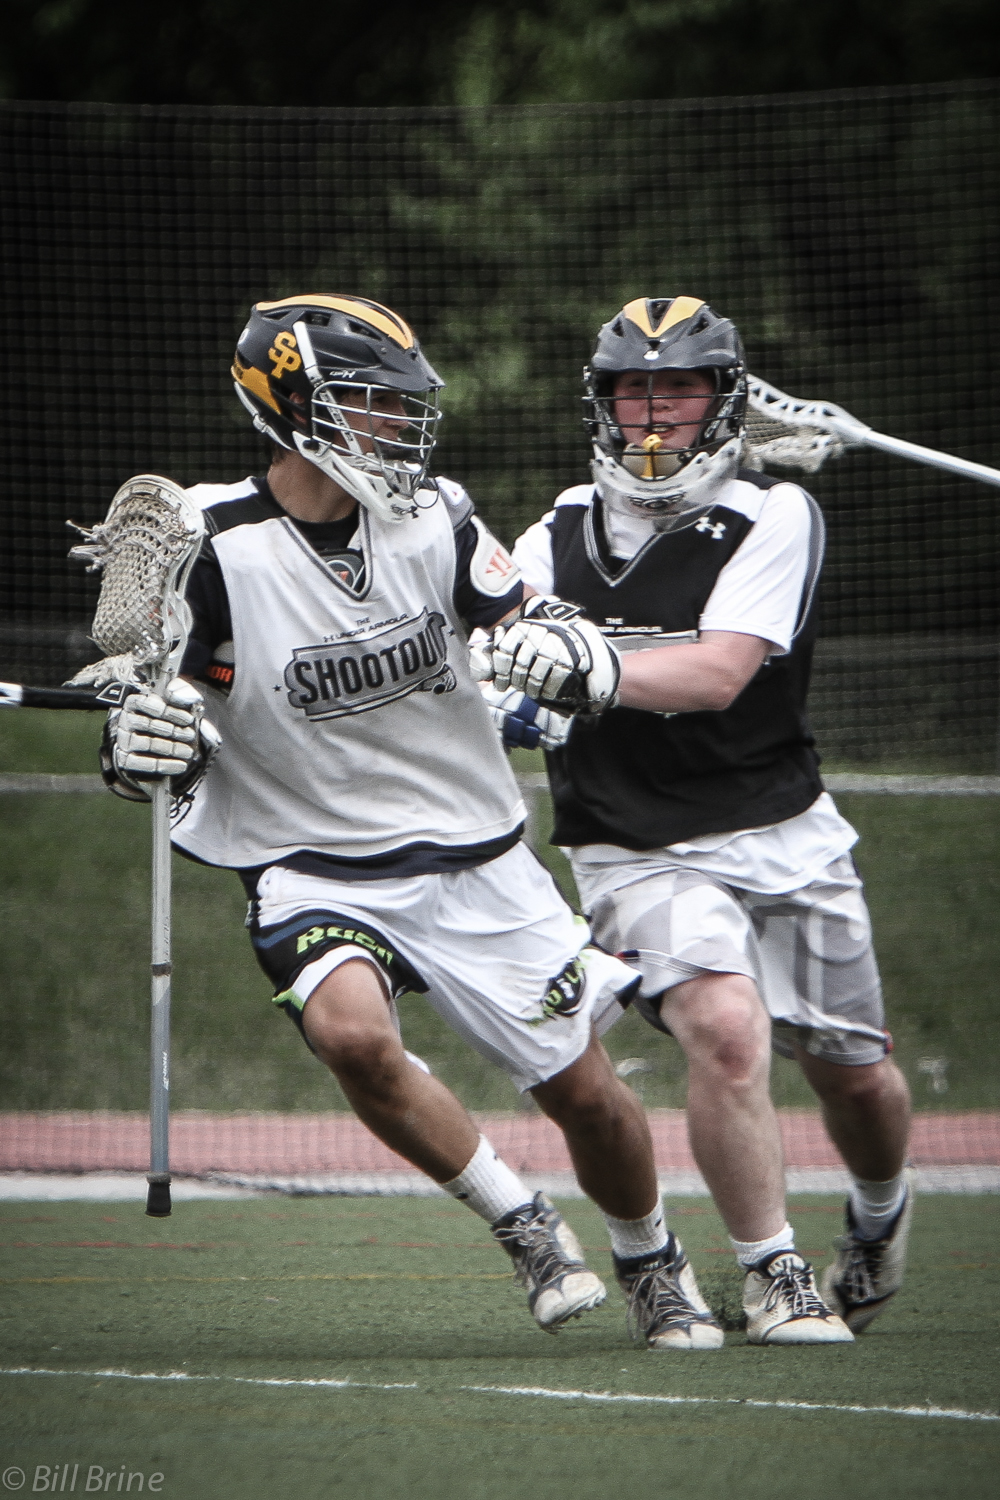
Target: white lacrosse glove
{"points": [[481, 656], [522, 723], [153, 737], [557, 657]]}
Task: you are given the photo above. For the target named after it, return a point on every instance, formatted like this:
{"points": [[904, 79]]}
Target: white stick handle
{"points": [[852, 433], [158, 1198]]}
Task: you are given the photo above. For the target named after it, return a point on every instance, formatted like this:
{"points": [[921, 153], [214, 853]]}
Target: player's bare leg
{"points": [[607, 1134], [347, 1021], [725, 1031], [722, 1025], [608, 1138], [866, 1110]]}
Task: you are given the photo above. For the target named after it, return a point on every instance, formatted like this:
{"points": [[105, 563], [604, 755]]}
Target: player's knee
{"points": [[723, 1026], [357, 1053], [867, 1087], [737, 1052], [579, 1110], [584, 1096]]}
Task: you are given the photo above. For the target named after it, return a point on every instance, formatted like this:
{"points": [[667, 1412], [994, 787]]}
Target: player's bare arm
{"points": [[707, 674]]}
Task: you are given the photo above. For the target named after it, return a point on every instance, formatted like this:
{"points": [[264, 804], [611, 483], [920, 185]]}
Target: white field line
{"points": [[181, 1375], [626, 1396], [534, 783], [538, 1391], [114, 1187]]}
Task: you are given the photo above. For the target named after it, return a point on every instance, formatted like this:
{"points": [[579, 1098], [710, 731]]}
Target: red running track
{"points": [[303, 1145]]}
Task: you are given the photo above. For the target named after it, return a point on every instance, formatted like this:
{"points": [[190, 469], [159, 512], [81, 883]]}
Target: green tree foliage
{"points": [[344, 52], [851, 237]]}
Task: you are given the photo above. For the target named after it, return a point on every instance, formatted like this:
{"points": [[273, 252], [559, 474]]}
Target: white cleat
{"points": [[783, 1305], [868, 1273], [665, 1308], [548, 1260]]}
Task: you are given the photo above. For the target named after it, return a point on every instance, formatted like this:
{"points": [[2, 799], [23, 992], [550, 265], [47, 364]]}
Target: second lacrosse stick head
{"points": [[144, 549], [795, 433]]}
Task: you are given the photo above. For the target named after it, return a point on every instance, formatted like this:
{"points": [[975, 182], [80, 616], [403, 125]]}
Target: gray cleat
{"points": [[783, 1305], [665, 1308], [868, 1273], [548, 1260]]}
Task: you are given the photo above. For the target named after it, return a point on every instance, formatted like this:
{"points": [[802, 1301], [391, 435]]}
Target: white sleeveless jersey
{"points": [[353, 728]]}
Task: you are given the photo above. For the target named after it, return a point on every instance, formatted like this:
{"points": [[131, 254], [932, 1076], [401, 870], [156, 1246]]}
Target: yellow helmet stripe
{"points": [[680, 308], [255, 381], [382, 318]]}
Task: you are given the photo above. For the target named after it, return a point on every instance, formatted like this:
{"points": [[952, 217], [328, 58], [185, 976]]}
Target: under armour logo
{"points": [[284, 356], [717, 528]]}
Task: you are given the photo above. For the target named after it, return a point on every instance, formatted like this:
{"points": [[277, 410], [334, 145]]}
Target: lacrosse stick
{"points": [[145, 549], [798, 434], [20, 695]]}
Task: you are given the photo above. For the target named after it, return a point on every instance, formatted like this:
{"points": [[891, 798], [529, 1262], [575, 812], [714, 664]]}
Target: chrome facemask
{"points": [[385, 478]]}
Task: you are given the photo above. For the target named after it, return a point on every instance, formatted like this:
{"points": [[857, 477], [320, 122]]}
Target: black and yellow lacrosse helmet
{"points": [[302, 362]]}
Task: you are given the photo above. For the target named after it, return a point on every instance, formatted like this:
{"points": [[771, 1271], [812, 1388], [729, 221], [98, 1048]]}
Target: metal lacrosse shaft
{"points": [[158, 1197], [918, 454], [145, 549]]}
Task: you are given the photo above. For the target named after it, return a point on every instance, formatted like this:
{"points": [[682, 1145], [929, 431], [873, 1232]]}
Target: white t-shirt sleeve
{"points": [[532, 553], [759, 591]]}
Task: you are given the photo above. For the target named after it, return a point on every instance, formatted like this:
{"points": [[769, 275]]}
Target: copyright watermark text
{"points": [[82, 1479]]}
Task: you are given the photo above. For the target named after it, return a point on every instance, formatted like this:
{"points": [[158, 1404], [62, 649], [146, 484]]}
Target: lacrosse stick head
{"points": [[144, 550], [793, 433]]}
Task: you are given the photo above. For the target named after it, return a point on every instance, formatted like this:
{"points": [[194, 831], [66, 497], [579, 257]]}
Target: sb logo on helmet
{"points": [[284, 355]]}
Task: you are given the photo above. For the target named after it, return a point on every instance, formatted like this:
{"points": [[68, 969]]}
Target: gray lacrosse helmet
{"points": [[672, 486]]}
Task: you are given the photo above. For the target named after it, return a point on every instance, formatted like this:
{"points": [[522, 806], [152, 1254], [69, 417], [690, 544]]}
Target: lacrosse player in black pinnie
{"points": [[362, 794], [704, 846]]}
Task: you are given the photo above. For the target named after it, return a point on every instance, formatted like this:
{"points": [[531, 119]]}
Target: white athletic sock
{"points": [[633, 1237], [488, 1185], [874, 1205], [751, 1252]]}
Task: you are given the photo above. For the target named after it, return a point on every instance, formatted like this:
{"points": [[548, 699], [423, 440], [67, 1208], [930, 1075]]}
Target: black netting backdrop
{"points": [[851, 236]]}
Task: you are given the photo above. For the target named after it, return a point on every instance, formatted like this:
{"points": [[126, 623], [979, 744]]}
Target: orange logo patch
{"points": [[501, 563]]}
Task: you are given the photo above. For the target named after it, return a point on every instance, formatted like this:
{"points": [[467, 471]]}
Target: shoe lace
{"points": [[538, 1252], [655, 1300], [864, 1261], [794, 1285]]}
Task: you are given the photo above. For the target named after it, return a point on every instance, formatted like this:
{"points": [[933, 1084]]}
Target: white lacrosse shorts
{"points": [[496, 949], [808, 951]]}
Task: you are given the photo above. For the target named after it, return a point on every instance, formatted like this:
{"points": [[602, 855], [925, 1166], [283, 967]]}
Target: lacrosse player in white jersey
{"points": [[703, 844], [360, 790]]}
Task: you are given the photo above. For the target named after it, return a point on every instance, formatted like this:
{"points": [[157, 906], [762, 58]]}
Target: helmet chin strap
{"points": [[369, 490]]}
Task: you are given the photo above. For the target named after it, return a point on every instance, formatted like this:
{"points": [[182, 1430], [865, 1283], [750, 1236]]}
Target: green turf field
{"points": [[409, 1305], [74, 887]]}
